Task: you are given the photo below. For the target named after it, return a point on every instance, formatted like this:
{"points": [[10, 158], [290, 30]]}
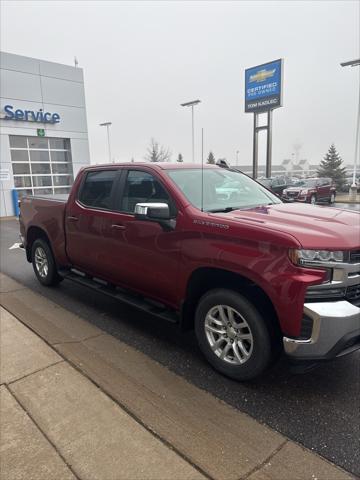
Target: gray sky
{"points": [[142, 59]]}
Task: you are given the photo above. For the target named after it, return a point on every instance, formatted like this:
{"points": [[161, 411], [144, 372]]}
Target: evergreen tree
{"points": [[180, 158], [331, 167], [211, 158]]}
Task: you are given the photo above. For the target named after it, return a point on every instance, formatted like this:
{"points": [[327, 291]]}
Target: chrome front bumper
{"points": [[335, 332]]}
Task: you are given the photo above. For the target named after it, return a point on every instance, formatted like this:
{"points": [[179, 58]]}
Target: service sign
{"points": [[263, 87], [39, 116]]}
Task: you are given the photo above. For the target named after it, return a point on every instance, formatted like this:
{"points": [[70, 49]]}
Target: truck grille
{"points": [[355, 256], [292, 194]]}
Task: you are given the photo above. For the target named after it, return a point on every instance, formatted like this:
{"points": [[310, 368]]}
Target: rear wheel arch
{"points": [[33, 234]]}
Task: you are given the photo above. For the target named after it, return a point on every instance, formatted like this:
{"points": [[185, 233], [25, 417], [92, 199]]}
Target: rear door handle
{"points": [[118, 227], [72, 219]]}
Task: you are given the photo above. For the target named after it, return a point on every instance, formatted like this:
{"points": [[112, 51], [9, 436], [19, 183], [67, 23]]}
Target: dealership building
{"points": [[43, 127]]}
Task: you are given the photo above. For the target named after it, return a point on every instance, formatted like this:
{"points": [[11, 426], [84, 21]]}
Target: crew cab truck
{"points": [[252, 275]]}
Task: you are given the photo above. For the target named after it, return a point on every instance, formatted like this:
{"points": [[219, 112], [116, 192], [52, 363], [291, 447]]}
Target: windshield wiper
{"points": [[245, 207], [225, 210]]}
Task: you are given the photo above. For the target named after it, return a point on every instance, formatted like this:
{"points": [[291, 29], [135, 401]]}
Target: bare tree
{"points": [[157, 153]]}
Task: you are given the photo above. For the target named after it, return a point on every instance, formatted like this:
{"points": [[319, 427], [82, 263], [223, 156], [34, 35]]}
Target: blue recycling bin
{"points": [[15, 197]]}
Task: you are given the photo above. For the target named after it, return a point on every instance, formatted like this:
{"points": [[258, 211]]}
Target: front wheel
{"points": [[44, 263], [232, 334]]}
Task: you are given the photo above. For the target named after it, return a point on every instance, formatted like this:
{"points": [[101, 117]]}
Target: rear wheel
{"points": [[232, 334], [44, 263]]}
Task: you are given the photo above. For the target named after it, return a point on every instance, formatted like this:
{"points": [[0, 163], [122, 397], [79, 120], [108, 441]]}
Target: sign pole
{"points": [[255, 147], [269, 144], [263, 93]]}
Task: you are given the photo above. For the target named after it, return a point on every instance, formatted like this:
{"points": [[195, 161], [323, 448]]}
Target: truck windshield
{"points": [[223, 189]]}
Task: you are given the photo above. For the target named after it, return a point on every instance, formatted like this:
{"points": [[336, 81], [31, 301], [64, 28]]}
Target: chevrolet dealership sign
{"points": [[263, 87]]}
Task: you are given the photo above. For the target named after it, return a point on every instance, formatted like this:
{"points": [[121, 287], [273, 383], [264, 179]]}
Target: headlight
{"points": [[309, 257], [303, 192], [284, 192]]}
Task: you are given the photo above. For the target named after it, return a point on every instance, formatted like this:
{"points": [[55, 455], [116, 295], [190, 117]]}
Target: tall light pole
{"points": [[107, 125], [237, 157], [192, 104], [353, 188]]}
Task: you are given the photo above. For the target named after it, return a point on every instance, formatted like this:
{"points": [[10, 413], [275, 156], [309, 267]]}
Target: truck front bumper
{"points": [[335, 332]]}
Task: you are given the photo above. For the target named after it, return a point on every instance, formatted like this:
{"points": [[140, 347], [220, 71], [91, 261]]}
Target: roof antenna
{"points": [[202, 169], [76, 63]]}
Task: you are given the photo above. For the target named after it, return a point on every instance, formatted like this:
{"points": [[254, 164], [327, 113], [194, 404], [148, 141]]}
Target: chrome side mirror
{"points": [[152, 211]]}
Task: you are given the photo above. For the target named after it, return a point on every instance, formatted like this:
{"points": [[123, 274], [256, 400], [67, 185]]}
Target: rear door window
{"points": [[98, 188]]}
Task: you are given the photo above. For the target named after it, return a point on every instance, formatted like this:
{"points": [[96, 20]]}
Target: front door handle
{"points": [[118, 227], [72, 219]]}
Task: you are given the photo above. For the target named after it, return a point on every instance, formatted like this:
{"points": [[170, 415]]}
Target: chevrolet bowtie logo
{"points": [[262, 75]]}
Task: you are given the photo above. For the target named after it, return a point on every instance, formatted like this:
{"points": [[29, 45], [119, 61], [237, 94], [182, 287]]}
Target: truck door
{"points": [[141, 255], [85, 218]]}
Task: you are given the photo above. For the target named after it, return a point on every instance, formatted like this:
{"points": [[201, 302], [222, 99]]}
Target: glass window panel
{"points": [[23, 192], [60, 156], [22, 182], [142, 187], [41, 181], [63, 180], [62, 189], [40, 168], [38, 142], [21, 168], [43, 191], [59, 143], [62, 168], [39, 156], [19, 155], [96, 190], [17, 141]]}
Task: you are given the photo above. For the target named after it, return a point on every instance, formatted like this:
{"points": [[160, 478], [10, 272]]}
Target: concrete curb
{"points": [[221, 442]]}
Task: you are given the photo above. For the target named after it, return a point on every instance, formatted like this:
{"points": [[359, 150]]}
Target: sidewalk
{"points": [[78, 404], [346, 198]]}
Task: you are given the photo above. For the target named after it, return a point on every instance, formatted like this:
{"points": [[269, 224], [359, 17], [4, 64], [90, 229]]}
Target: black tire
{"points": [[46, 276], [260, 353], [313, 200]]}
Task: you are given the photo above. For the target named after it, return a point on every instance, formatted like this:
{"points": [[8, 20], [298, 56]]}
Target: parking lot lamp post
{"points": [[192, 104], [107, 125], [353, 188]]}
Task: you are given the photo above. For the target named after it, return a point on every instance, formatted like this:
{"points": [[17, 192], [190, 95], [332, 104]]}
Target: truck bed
{"points": [[60, 197], [47, 213]]}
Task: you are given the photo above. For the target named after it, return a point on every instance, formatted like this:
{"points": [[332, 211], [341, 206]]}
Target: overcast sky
{"points": [[142, 59]]}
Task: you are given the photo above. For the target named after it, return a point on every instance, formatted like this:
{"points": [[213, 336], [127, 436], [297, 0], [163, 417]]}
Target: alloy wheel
{"points": [[41, 262], [229, 334]]}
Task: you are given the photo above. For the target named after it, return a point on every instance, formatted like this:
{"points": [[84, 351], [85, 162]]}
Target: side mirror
{"points": [[156, 212]]}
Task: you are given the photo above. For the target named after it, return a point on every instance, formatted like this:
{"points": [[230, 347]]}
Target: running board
{"points": [[148, 306]]}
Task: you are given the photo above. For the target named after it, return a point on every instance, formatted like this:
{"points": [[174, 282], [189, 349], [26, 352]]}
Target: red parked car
{"points": [[311, 190], [252, 275]]}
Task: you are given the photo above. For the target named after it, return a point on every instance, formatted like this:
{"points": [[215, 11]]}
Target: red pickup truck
{"points": [[210, 249]]}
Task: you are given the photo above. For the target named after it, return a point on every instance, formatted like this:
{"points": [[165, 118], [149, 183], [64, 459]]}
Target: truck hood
{"points": [[313, 226]]}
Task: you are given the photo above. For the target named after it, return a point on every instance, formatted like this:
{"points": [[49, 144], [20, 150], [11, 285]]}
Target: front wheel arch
{"points": [[245, 329]]}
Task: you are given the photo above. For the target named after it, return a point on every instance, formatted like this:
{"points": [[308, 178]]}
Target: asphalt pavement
{"points": [[319, 409]]}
